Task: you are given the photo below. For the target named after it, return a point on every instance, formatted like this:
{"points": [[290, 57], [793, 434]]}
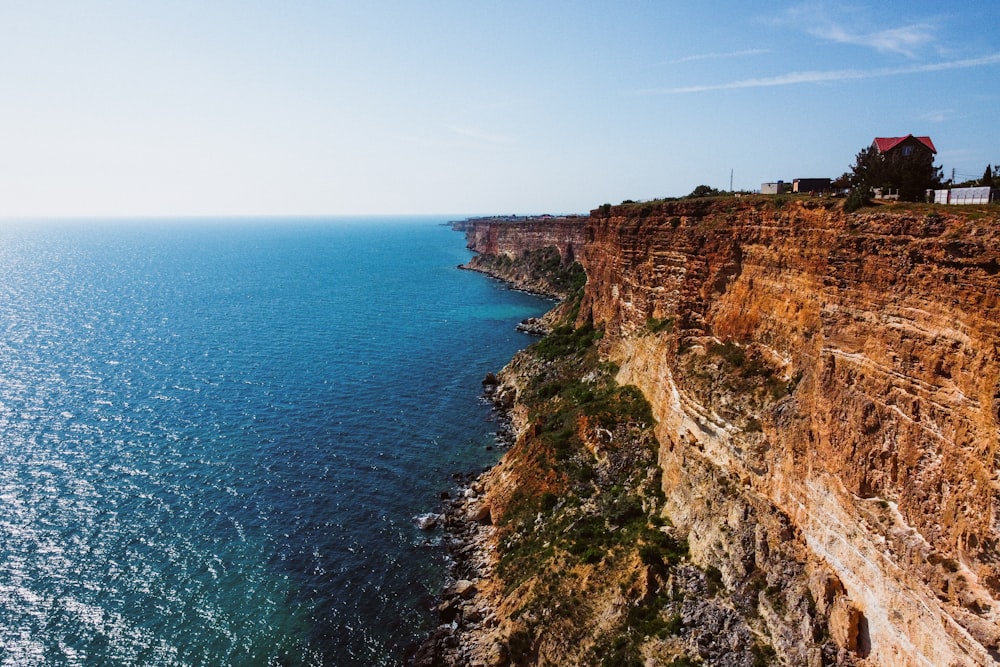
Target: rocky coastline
{"points": [[467, 607], [467, 631], [538, 289]]}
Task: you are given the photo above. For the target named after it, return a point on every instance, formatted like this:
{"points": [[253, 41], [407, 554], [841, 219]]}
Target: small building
{"points": [[967, 196], [818, 185], [776, 188]]}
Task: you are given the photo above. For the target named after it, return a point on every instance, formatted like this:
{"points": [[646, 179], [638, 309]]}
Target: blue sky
{"points": [[314, 108]]}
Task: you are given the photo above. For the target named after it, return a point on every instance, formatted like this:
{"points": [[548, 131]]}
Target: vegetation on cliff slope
{"points": [[591, 566], [584, 549], [541, 270]]}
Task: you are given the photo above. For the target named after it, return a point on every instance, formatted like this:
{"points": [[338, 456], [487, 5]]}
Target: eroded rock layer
{"points": [[883, 452]]}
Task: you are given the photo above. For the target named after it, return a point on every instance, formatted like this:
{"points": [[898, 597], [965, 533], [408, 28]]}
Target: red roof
{"points": [[884, 144]]}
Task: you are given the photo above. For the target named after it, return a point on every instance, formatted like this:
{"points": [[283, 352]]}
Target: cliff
{"points": [[824, 392], [530, 253]]}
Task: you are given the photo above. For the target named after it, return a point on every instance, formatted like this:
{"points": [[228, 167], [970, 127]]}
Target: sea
{"points": [[215, 435]]}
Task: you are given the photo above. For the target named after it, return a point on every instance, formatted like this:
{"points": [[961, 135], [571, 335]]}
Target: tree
{"points": [[911, 175], [868, 171], [987, 177], [704, 191], [842, 182]]}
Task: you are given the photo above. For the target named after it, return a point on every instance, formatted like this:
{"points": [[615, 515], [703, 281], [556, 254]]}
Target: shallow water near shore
{"points": [[214, 436]]}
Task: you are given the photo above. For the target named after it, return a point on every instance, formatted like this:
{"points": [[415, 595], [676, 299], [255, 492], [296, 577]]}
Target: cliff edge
{"points": [[765, 433]]}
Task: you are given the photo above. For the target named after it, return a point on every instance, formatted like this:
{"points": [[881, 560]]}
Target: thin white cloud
{"points": [[938, 116], [856, 26], [480, 135], [904, 40], [718, 56], [796, 78]]}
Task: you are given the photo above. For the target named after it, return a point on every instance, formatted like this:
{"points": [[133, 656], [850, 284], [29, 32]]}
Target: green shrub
{"points": [[519, 645], [569, 279], [620, 406], [565, 341], [713, 579], [550, 390], [656, 325], [704, 191], [549, 501], [650, 555], [730, 352], [763, 655], [646, 620], [684, 661], [661, 549], [626, 512], [857, 198]]}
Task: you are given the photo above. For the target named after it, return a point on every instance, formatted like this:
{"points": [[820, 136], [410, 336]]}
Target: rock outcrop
{"points": [[499, 238], [531, 254], [826, 395]]}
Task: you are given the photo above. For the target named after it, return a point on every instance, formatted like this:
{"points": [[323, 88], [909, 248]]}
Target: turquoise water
{"points": [[214, 435]]}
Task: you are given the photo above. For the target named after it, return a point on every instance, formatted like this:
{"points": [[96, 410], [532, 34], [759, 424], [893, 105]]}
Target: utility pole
{"points": [[730, 180]]}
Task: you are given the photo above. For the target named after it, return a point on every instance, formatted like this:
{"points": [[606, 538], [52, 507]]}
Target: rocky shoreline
{"points": [[512, 283], [467, 632], [466, 608]]}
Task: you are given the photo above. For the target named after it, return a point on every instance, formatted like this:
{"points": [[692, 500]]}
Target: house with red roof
{"points": [[906, 167], [904, 146]]}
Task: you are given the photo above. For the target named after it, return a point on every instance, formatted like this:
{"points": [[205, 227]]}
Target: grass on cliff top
{"points": [[851, 204], [968, 212]]}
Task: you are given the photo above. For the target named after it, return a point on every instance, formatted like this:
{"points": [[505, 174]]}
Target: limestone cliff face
{"points": [[526, 253], [504, 238], [831, 381]]}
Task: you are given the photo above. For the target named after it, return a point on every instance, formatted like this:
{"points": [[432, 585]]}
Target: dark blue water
{"points": [[214, 436]]}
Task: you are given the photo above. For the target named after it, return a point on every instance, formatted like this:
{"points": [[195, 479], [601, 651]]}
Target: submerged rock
{"points": [[533, 326], [427, 521]]}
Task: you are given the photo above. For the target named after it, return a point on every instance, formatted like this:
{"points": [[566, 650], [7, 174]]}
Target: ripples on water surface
{"points": [[213, 436]]}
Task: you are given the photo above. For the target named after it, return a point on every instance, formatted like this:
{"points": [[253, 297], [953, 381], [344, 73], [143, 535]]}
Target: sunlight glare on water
{"points": [[213, 437]]}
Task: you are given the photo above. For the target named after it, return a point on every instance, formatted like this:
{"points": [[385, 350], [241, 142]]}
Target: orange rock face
{"points": [[512, 239], [843, 370]]}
